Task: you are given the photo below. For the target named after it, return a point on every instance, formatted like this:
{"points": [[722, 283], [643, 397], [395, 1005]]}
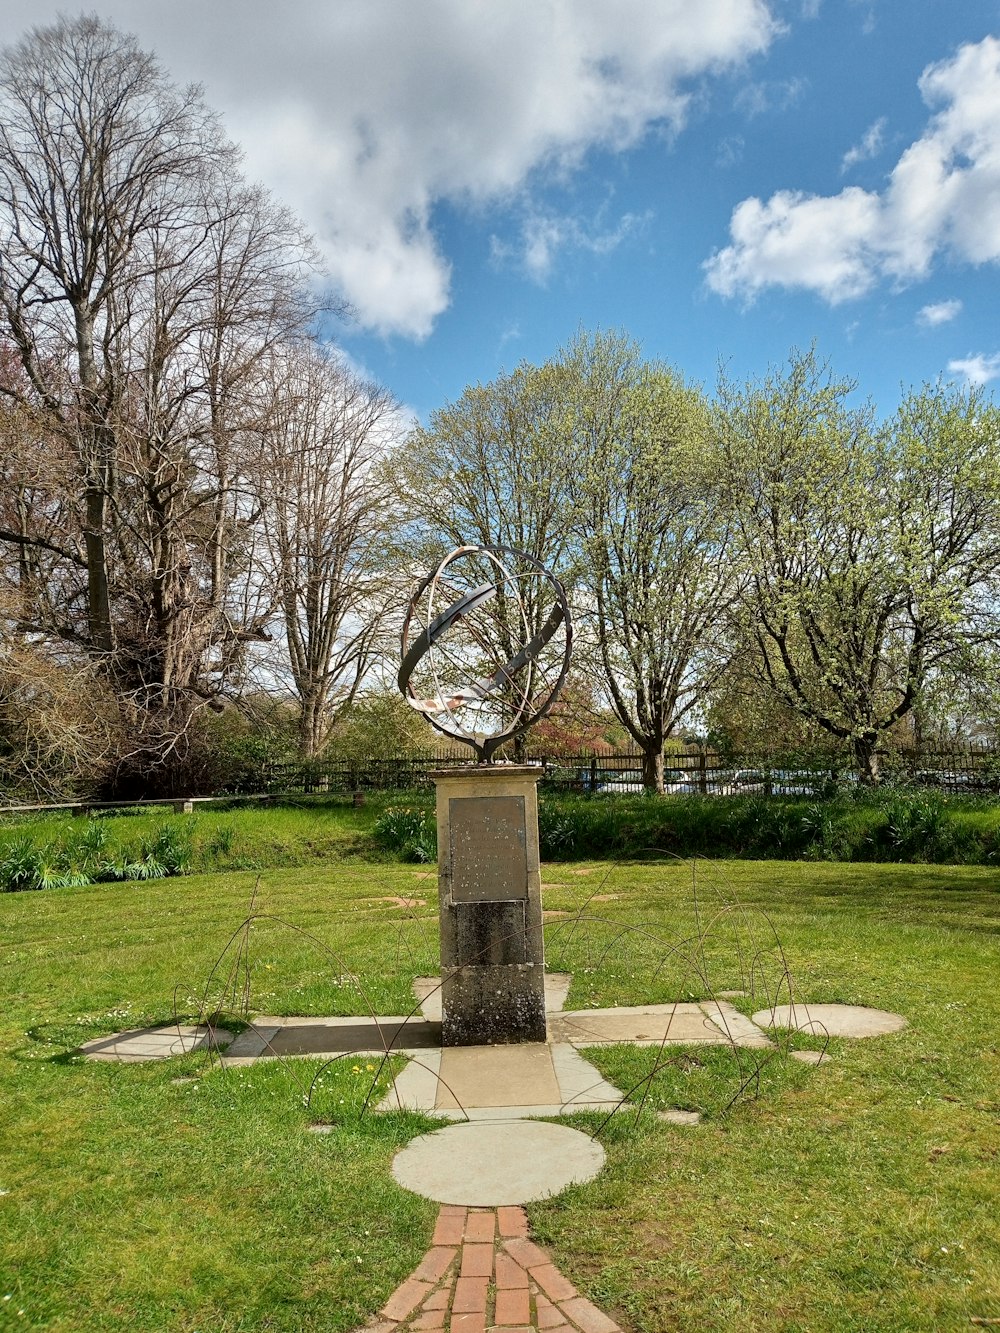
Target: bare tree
{"points": [[97, 150], [142, 283], [328, 520], [492, 469]]}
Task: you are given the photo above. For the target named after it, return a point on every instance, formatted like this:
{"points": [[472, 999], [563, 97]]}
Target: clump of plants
{"points": [[410, 833], [884, 824], [88, 858]]}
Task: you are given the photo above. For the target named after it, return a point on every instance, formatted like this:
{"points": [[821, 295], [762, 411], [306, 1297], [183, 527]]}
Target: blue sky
{"points": [[723, 179]]}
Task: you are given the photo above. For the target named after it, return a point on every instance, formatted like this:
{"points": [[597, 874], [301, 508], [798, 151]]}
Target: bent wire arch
{"points": [[531, 690]]}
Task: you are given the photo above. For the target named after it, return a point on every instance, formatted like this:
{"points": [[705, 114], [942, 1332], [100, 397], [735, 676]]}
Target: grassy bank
{"points": [[890, 824], [56, 850], [859, 1195]]}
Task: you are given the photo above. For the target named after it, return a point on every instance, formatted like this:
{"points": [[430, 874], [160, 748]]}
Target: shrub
{"points": [[170, 848], [21, 868], [412, 834]]}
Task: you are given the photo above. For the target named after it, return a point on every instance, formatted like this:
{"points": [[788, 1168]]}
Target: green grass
{"points": [[888, 825], [296, 832], [857, 1196]]}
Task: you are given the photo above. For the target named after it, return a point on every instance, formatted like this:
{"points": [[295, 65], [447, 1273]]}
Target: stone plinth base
{"points": [[486, 1006], [492, 956]]}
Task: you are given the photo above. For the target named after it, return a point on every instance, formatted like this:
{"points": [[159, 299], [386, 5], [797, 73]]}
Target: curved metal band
{"points": [[486, 745], [440, 625]]}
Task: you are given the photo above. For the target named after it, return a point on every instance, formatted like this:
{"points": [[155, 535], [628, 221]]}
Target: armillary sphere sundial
{"points": [[486, 647]]}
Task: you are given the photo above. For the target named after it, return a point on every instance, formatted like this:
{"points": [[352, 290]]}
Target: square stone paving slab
{"points": [[273, 1037], [713, 1023], [358, 1037], [640, 1025], [496, 1082], [142, 1044], [519, 1075]]}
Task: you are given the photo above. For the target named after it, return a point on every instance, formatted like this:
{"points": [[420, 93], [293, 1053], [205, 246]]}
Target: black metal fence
{"points": [[696, 770]]}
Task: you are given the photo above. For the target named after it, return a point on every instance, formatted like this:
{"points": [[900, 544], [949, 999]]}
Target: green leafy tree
{"points": [[655, 575], [871, 553]]}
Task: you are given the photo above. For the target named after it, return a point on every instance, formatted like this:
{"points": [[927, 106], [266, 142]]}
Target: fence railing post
{"points": [[702, 772]]}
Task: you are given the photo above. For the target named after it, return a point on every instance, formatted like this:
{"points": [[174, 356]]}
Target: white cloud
{"points": [[943, 196], [545, 235], [510, 333], [364, 116], [729, 151], [978, 369], [870, 146], [795, 240], [941, 312], [756, 99]]}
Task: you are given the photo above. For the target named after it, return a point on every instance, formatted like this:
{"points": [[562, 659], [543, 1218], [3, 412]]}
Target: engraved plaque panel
{"points": [[489, 859]]}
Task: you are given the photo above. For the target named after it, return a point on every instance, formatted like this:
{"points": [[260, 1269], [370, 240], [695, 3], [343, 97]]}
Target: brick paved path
{"points": [[483, 1273]]}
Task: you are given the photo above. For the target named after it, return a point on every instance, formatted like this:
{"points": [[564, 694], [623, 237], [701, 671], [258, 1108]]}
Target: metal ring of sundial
{"points": [[517, 686]]}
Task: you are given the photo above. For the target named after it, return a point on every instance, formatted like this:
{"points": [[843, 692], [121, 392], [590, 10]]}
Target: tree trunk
{"points": [[96, 452], [652, 768], [98, 595], [866, 758], [310, 727]]}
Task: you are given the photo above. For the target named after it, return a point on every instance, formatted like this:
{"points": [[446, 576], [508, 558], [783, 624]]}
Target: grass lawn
{"points": [[862, 1195]]}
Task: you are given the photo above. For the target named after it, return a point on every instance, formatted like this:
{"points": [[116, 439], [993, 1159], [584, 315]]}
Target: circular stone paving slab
{"points": [[834, 1020], [489, 1164]]}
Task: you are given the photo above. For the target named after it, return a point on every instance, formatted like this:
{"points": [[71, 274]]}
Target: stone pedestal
{"points": [[492, 954]]}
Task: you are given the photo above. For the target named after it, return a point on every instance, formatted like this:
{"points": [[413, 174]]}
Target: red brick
{"points": [[588, 1317], [468, 1323], [527, 1254], [509, 1274], [480, 1226], [405, 1299], [546, 1314], [440, 1299], [512, 1307], [450, 1227], [552, 1282], [435, 1263], [470, 1295], [452, 1210], [477, 1261], [512, 1222], [430, 1319]]}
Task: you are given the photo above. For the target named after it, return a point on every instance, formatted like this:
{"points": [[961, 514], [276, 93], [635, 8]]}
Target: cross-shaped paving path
{"points": [[482, 1272]]}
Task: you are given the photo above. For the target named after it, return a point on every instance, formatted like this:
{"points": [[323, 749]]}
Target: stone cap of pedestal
{"points": [[488, 772]]}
